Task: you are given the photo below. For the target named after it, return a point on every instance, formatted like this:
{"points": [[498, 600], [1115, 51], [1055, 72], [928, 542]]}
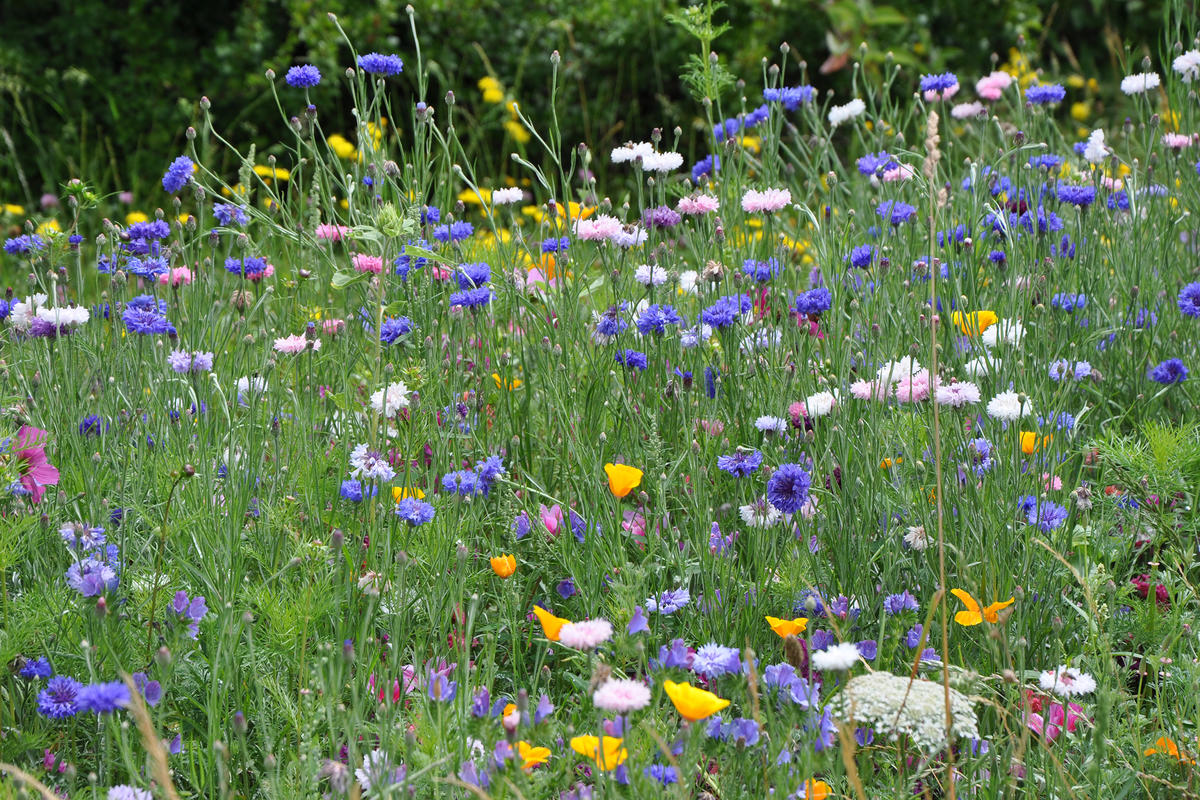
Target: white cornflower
{"points": [[650, 275], [840, 114], [1067, 682], [896, 706], [507, 196], [916, 538], [768, 424], [760, 514], [820, 404], [1187, 65], [1096, 150], [687, 281], [390, 400], [893, 371], [630, 151], [378, 772], [761, 339], [250, 385], [1140, 83], [836, 657], [22, 313], [662, 162], [1007, 406], [63, 315], [1010, 331], [981, 366]]}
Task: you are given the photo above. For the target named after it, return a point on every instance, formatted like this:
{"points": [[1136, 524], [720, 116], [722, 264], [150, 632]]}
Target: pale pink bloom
{"points": [[1051, 482], [1176, 141], [586, 635], [933, 96], [698, 204], [809, 509], [1112, 184], [295, 344], [552, 518], [332, 327], [621, 696], [332, 233], [441, 273], [767, 200], [602, 228], [178, 276], [365, 263], [533, 281], [968, 110], [902, 172], [713, 427], [957, 394], [870, 390], [990, 87], [913, 388]]}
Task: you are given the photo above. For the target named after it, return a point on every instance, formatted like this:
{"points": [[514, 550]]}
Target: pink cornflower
{"points": [[1051, 482], [767, 200], [903, 172], [797, 412], [621, 696], [934, 95], [332, 233], [990, 87], [602, 228], [295, 344], [1176, 141], [177, 276], [365, 263], [698, 204], [713, 427], [35, 470], [332, 327], [870, 390], [913, 388], [586, 635], [957, 394], [968, 110], [1112, 184]]}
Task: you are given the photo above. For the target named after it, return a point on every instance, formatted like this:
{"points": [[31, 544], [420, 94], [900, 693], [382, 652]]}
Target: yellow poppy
{"points": [[693, 704], [551, 625], [622, 478], [510, 384], [532, 756], [1030, 443], [974, 614], [504, 565], [401, 492], [787, 627], [475, 196], [975, 322], [607, 753]]}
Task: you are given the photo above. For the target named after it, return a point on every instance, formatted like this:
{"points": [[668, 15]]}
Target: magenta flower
{"points": [[36, 471]]}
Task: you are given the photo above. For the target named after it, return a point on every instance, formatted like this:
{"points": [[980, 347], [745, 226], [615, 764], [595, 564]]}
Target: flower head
{"points": [[693, 704], [973, 615], [608, 752], [622, 478], [504, 565]]}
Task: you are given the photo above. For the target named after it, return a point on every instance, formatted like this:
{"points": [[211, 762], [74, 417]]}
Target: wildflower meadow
{"points": [[855, 455]]}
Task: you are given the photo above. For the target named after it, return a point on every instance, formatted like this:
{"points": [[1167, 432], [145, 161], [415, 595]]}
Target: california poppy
{"points": [[787, 627], [975, 322], [974, 614], [693, 704], [816, 790], [1030, 443], [532, 756], [551, 625], [607, 753], [622, 478], [504, 565]]}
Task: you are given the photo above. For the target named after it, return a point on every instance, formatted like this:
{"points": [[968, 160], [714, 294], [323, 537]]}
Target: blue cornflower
{"points": [[178, 175], [939, 83], [1046, 221], [710, 165], [565, 588], [304, 76], [714, 660], [1045, 94], [956, 235], [146, 322], [1063, 368], [656, 318], [393, 328], [669, 601], [762, 271], [151, 230], [1046, 515], [415, 512], [471, 298], [862, 256], [1189, 300], [711, 375], [103, 698], [454, 232], [489, 470], [37, 668], [726, 311], [663, 773], [1064, 249], [60, 698], [899, 603], [876, 163], [1081, 196], [814, 301], [741, 463], [24, 244], [92, 425], [521, 526], [895, 212], [1068, 302], [473, 275], [247, 267], [229, 214], [610, 322], [150, 267], [1167, 372], [788, 488], [632, 359], [1118, 201], [553, 245], [380, 64], [463, 482], [997, 257], [792, 97], [1047, 161], [5, 308], [352, 490], [405, 264], [431, 215], [757, 116]]}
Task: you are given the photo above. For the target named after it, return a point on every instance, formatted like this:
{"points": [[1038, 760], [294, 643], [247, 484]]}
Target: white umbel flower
{"points": [[896, 706], [836, 657]]}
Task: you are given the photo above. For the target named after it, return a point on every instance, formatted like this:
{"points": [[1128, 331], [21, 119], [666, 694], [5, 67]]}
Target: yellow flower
{"points": [[974, 615], [493, 96], [342, 147], [49, 227], [278, 173], [1080, 111], [532, 756], [134, 217], [493, 91], [184, 217], [401, 492], [607, 753], [504, 565], [510, 384], [551, 625], [622, 478], [14, 209], [787, 627], [975, 322], [888, 463], [1075, 81], [693, 704], [1030, 444], [517, 131], [376, 131], [752, 143], [475, 197], [816, 790]]}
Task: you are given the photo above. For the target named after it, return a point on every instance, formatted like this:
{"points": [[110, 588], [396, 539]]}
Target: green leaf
{"points": [[343, 279]]}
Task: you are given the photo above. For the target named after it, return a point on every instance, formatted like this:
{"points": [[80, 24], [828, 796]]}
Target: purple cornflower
{"points": [[380, 64], [660, 217], [24, 244], [303, 76], [788, 488], [37, 668], [521, 526], [899, 603], [393, 328], [632, 359], [895, 212], [862, 256], [1168, 372], [741, 463], [876, 163], [726, 311], [669, 601], [228, 214]]}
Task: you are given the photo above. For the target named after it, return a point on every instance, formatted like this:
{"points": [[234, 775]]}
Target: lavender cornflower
{"points": [[741, 463], [788, 488], [669, 601], [178, 175], [191, 610], [303, 76], [228, 214], [714, 660], [103, 698], [660, 217], [380, 64]]}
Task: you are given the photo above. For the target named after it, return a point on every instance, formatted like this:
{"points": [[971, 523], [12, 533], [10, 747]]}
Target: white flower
{"points": [[507, 196], [916, 538], [1067, 682], [836, 657], [761, 339], [250, 385], [22, 313], [377, 771], [128, 793], [895, 370], [981, 366], [390, 400], [1010, 331], [1007, 406], [820, 404], [1096, 150], [1187, 65], [760, 514], [768, 424], [630, 151], [650, 275], [1140, 84], [662, 162], [840, 114], [957, 394], [61, 315], [968, 110], [370, 464], [687, 281], [896, 706]]}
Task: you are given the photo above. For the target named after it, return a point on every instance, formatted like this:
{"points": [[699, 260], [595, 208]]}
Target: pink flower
{"points": [[913, 388], [634, 524], [797, 412], [1051, 482], [332, 327], [365, 263], [332, 233], [267, 272], [713, 427], [698, 204], [586, 635], [176, 277], [621, 696], [933, 95], [552, 519], [602, 228], [1112, 184], [870, 390], [440, 273], [766, 200], [903, 172], [36, 471], [295, 343], [968, 110], [957, 394], [1056, 718], [992, 86], [1176, 141]]}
